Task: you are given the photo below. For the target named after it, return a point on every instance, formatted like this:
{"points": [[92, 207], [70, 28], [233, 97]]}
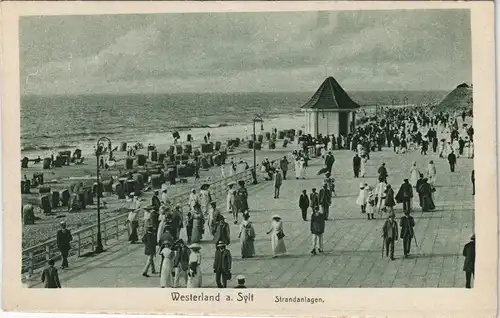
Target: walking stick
{"points": [[383, 241], [415, 238]]}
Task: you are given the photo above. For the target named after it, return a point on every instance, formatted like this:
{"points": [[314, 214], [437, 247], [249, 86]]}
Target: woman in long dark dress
{"points": [[389, 198], [426, 192], [417, 188]]}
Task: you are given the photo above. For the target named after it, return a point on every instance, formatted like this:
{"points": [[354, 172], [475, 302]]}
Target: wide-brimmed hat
{"points": [[194, 246], [240, 277], [220, 244], [62, 222], [231, 183], [205, 186], [179, 241], [276, 216], [362, 185]]}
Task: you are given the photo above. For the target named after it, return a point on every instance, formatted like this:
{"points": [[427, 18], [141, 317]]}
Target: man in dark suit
{"points": [[329, 161], [452, 160], [155, 201], [382, 173], [325, 199], [149, 239], [284, 166], [64, 239], [407, 224], [356, 165], [314, 200], [304, 204], [405, 195], [470, 259], [390, 235], [473, 180], [222, 265], [50, 277]]}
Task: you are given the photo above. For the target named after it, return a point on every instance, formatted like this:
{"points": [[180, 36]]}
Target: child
{"points": [[332, 187], [371, 204], [362, 197]]}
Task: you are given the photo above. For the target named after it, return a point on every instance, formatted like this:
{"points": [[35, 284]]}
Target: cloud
{"points": [[246, 51]]}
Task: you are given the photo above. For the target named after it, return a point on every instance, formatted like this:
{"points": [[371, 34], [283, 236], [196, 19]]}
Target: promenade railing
{"points": [[115, 229]]}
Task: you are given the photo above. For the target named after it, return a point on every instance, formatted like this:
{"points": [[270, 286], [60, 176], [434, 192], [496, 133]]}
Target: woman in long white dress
{"points": [[230, 199], [362, 172], [204, 202], [222, 172], [277, 236], [431, 173], [414, 173], [302, 168], [380, 189], [166, 266], [193, 199], [297, 167], [194, 271]]}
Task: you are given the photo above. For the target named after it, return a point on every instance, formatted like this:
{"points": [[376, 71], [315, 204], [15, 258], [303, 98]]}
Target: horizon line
{"points": [[232, 92]]}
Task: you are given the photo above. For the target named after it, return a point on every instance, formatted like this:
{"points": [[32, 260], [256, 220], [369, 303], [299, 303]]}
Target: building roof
{"points": [[330, 95]]}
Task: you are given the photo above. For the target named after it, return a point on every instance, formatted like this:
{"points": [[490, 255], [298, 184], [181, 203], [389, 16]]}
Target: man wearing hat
{"points": [[390, 235], [149, 240], [222, 265], [213, 215], [241, 281], [405, 195], [329, 161], [278, 180], [325, 199], [64, 239], [50, 277], [407, 224], [314, 200], [155, 201], [470, 259], [304, 204], [382, 173], [356, 165]]}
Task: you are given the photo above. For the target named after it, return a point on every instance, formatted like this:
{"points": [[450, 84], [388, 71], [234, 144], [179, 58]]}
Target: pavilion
{"points": [[330, 111]]}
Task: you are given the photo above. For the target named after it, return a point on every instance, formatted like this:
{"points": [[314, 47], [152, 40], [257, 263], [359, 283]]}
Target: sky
{"points": [[245, 52]]}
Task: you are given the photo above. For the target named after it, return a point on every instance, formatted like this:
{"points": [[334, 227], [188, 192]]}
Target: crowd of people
{"points": [[400, 130]]}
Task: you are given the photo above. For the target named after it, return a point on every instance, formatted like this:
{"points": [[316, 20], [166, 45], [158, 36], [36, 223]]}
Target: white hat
{"points": [[240, 277], [362, 185], [194, 246], [276, 216], [62, 222]]}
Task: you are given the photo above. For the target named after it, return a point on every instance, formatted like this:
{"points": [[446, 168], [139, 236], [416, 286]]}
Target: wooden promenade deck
{"points": [[352, 256]]}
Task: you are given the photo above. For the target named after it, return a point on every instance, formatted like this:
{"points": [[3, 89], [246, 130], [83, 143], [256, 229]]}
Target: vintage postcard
{"points": [[250, 158]]}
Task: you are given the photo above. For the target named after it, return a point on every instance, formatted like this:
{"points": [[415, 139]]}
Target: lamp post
{"points": [[100, 146], [254, 171]]}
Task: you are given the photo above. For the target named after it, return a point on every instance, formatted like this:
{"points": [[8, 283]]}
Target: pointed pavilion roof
{"points": [[330, 95]]}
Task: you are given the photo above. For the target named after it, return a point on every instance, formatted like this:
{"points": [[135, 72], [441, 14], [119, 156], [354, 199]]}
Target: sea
{"points": [[65, 122]]}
